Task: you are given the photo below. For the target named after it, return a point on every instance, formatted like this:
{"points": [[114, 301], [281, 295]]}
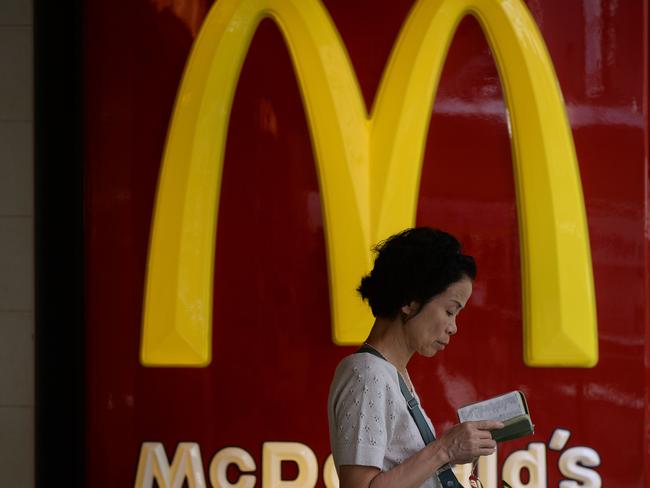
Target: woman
{"points": [[419, 283]]}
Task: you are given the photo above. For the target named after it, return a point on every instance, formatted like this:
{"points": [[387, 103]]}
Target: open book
{"points": [[510, 408]]}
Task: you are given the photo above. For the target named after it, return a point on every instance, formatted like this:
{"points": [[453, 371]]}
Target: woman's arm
{"points": [[459, 445]]}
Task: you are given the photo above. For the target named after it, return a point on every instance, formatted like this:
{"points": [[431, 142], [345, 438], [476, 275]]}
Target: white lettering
{"points": [[330, 476], [273, 453], [534, 460], [154, 465], [487, 471], [186, 469], [572, 465], [559, 439], [238, 457]]}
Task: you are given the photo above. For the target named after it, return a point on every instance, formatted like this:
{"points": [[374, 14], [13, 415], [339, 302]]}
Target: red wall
{"points": [[273, 357]]}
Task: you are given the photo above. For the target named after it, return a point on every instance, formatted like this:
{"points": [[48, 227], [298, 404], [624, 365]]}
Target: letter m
{"points": [[368, 166], [154, 466]]}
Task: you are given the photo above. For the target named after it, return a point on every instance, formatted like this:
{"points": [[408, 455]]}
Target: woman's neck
{"points": [[387, 336]]}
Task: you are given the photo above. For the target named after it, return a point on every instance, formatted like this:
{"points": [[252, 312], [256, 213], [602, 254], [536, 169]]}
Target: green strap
{"points": [[445, 474]]}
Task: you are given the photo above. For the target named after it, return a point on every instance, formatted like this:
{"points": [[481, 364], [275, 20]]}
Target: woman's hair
{"points": [[413, 265]]}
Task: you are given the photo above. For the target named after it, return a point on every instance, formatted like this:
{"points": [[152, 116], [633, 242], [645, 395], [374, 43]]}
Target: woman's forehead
{"points": [[459, 291]]}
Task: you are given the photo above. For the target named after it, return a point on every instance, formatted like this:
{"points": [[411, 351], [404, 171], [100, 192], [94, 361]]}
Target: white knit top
{"points": [[369, 421]]}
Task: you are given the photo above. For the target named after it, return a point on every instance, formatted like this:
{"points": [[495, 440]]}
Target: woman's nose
{"points": [[452, 328]]}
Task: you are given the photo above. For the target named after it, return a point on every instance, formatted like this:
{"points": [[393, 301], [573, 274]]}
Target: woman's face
{"points": [[430, 330]]}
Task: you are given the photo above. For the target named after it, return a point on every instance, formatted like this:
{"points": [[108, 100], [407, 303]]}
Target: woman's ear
{"points": [[410, 310], [406, 309]]}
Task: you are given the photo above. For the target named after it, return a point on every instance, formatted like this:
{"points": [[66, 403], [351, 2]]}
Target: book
{"points": [[510, 408]]}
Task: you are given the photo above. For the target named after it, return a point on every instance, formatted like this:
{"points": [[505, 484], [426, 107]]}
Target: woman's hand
{"points": [[465, 442], [461, 444]]}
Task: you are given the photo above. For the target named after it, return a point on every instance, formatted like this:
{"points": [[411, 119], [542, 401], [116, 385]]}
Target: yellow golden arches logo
{"points": [[369, 168]]}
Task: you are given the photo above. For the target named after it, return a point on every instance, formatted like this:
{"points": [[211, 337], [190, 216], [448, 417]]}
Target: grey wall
{"points": [[16, 245]]}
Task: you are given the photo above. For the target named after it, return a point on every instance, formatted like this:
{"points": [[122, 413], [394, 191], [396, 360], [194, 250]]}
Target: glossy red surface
{"points": [[273, 357]]}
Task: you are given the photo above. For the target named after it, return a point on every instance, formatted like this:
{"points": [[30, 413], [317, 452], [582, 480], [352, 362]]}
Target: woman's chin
{"points": [[429, 352]]}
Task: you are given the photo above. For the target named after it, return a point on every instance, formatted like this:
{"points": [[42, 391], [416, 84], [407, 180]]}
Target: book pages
{"points": [[500, 408]]}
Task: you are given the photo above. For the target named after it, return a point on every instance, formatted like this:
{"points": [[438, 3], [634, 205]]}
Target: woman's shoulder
{"points": [[360, 376], [363, 365]]}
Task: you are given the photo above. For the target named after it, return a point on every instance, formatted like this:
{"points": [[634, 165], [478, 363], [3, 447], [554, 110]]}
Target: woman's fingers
{"points": [[484, 434], [487, 452], [488, 424], [469, 440], [487, 443]]}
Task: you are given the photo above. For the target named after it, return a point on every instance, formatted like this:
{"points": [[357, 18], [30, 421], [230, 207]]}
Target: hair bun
{"points": [[413, 265], [366, 286]]}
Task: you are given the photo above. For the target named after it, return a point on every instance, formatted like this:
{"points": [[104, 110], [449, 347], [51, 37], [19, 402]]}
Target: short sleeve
{"points": [[360, 415]]}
